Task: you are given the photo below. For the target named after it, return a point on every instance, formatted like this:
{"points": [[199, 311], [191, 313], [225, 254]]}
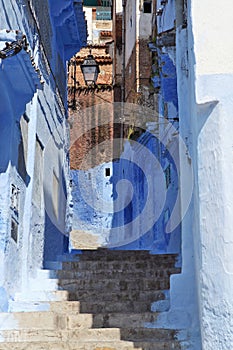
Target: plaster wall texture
{"points": [[34, 165], [211, 105], [205, 124]]}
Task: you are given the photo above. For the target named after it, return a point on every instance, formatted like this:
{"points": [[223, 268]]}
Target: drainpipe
{"points": [[123, 73], [123, 52]]}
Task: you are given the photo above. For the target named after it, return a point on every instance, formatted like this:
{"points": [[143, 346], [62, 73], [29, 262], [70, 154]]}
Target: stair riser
{"points": [[141, 296], [96, 308], [101, 334], [114, 266], [107, 286], [97, 275], [121, 255], [92, 346], [64, 336], [45, 321], [121, 320], [150, 334]]}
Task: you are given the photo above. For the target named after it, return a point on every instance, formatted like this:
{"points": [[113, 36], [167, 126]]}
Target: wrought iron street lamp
{"points": [[90, 70]]}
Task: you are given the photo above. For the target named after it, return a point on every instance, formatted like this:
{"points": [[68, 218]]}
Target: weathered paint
{"points": [[34, 189]]}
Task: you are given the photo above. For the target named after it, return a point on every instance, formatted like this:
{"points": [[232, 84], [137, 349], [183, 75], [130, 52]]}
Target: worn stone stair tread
{"points": [[104, 307], [121, 265], [123, 319], [90, 295], [28, 320], [157, 345], [92, 346], [41, 295], [69, 345], [118, 254], [113, 274], [48, 320], [148, 334], [90, 334], [114, 285]]}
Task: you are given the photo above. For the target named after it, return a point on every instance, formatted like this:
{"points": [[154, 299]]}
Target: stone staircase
{"points": [[96, 300]]}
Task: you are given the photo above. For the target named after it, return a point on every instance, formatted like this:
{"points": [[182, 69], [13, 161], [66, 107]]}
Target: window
{"points": [[38, 174], [147, 7], [23, 147], [14, 212], [14, 230], [168, 175], [107, 172]]}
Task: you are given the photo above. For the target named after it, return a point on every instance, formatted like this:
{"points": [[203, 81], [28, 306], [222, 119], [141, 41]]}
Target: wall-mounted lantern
{"points": [[90, 70]]}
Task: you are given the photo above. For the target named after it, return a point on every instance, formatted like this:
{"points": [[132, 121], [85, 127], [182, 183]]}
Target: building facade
{"points": [[36, 40], [91, 134]]}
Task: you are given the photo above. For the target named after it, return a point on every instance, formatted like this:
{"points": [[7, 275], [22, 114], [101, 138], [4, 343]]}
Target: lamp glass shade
{"points": [[90, 70]]}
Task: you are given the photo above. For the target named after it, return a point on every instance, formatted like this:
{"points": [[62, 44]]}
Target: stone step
{"points": [[56, 306], [44, 320], [24, 335], [65, 307], [41, 295], [108, 255], [45, 284], [121, 265], [28, 306], [98, 334], [69, 346], [148, 334], [130, 295], [107, 285], [112, 274], [110, 307], [103, 345], [121, 320]]}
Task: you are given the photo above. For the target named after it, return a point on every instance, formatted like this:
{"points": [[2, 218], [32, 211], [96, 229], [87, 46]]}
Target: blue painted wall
{"points": [[33, 120]]}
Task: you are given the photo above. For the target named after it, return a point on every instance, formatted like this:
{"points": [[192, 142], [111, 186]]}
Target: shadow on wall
{"points": [[140, 222], [56, 241]]}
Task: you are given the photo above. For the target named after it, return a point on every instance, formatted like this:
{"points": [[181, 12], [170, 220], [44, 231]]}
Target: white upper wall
{"points": [[212, 31], [130, 27], [88, 15]]}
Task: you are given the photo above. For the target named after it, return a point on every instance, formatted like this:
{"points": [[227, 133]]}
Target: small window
{"points": [[14, 230], [147, 7], [15, 199], [168, 175], [107, 171]]}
